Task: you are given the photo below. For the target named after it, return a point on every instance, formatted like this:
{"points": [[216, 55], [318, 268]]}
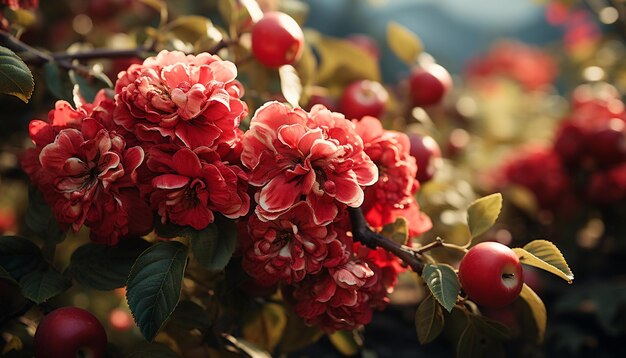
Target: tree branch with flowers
{"points": [[204, 186]]}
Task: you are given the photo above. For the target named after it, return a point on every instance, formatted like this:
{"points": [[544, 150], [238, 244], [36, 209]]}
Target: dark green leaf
{"points": [[41, 285], [55, 82], [89, 87], [214, 246], [491, 328], [105, 267], [537, 309], [429, 320], [475, 344], [5, 275], [19, 256], [482, 213], [443, 283], [15, 77], [188, 316], [154, 285], [40, 219]]}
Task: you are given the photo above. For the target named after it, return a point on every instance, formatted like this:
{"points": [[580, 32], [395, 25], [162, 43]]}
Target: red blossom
{"points": [[340, 298], [183, 99], [292, 246], [294, 155], [86, 170], [531, 67], [188, 186], [393, 194]]}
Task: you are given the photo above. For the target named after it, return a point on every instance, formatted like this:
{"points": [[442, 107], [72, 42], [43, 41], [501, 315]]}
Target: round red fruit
{"points": [[427, 156], [277, 40], [491, 274], [363, 98], [429, 83], [69, 332]]}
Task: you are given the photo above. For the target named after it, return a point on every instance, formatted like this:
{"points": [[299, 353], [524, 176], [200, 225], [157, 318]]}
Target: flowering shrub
{"points": [[217, 206]]}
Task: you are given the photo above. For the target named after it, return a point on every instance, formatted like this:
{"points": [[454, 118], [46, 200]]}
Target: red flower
{"points": [[393, 194], [540, 170], [339, 298], [387, 267], [292, 246], [317, 156], [529, 66], [86, 171], [190, 185], [183, 99]]}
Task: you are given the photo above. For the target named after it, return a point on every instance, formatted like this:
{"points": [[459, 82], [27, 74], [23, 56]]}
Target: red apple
{"points": [[491, 274], [68, 332], [363, 98], [277, 40], [429, 83], [427, 155]]}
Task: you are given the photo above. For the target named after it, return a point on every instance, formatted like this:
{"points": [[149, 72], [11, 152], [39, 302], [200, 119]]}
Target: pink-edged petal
{"points": [[170, 181], [324, 208], [279, 194], [66, 145], [347, 190], [289, 135]]}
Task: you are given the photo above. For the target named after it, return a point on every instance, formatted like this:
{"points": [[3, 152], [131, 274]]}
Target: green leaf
{"points": [[54, 81], [475, 343], [188, 316], [491, 328], [483, 212], [537, 308], [5, 275], [290, 84], [337, 63], [214, 246], [39, 286], [346, 342], [192, 29], [403, 43], [88, 87], [397, 231], [40, 219], [429, 320], [104, 267], [19, 256], [154, 285], [15, 77], [265, 328], [545, 255], [297, 334], [443, 283]]}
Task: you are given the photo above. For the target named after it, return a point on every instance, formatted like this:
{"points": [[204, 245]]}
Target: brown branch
{"points": [[33, 56], [364, 234]]}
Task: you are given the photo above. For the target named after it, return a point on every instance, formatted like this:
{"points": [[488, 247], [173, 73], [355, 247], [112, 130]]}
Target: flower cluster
{"points": [[586, 163], [168, 147], [163, 145]]}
